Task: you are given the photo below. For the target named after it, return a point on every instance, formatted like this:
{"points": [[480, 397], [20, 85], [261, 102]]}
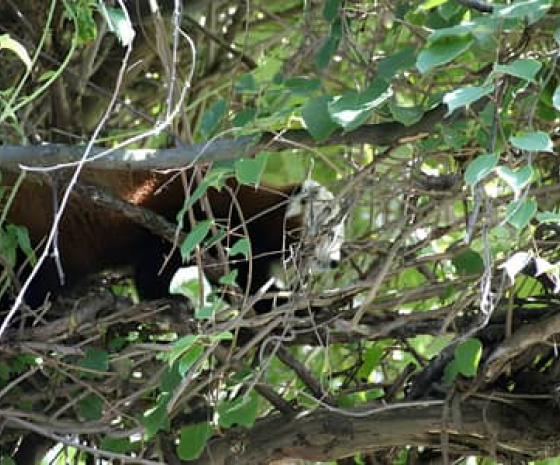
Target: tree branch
{"points": [[492, 426], [48, 156]]}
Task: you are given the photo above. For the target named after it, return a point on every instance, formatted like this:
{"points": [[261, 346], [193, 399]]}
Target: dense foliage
{"points": [[434, 122]]}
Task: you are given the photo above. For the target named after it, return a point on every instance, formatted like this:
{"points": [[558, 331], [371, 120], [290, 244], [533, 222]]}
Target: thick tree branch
{"points": [[12, 157], [475, 426]]}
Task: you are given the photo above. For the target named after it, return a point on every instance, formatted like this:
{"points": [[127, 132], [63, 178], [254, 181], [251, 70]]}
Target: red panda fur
{"points": [[92, 238]]}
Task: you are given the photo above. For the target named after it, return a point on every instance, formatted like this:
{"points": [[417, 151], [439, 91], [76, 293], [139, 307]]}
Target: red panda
{"points": [[92, 238]]}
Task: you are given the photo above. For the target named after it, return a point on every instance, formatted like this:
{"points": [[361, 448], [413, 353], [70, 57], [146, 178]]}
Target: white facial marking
{"points": [[322, 222]]}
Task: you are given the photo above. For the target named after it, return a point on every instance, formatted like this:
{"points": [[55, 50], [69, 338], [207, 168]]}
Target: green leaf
{"points": [[242, 246], [244, 117], [7, 43], [4, 460], [429, 4], [169, 381], [250, 170], [213, 305], [556, 98], [480, 167], [534, 9], [241, 411], [467, 356], [330, 47], [182, 346], [352, 109], [441, 52], [212, 118], [448, 10], [302, 85], [557, 35], [189, 358], [371, 358], [548, 217], [246, 84], [215, 178], [95, 359], [216, 238], [223, 336], [464, 96], [480, 28], [534, 141], [316, 117], [24, 243], [468, 262], [516, 179], [330, 12], [118, 445], [523, 68], [188, 282], [118, 23], [156, 418], [402, 60], [195, 238], [91, 408], [193, 440], [87, 29], [4, 372], [519, 214], [405, 115], [229, 279]]}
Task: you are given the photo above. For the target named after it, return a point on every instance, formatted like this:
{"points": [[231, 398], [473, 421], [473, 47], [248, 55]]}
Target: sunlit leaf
{"points": [[7, 43], [515, 264], [189, 358], [516, 179], [250, 170], [534, 9], [441, 52], [519, 214], [556, 98], [464, 96], [467, 355], [400, 60], [352, 109], [548, 217], [181, 346], [480, 167], [535, 141], [188, 282], [119, 23], [523, 68]]}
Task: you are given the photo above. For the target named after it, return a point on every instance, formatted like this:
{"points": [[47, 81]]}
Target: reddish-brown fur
{"points": [[92, 238]]}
